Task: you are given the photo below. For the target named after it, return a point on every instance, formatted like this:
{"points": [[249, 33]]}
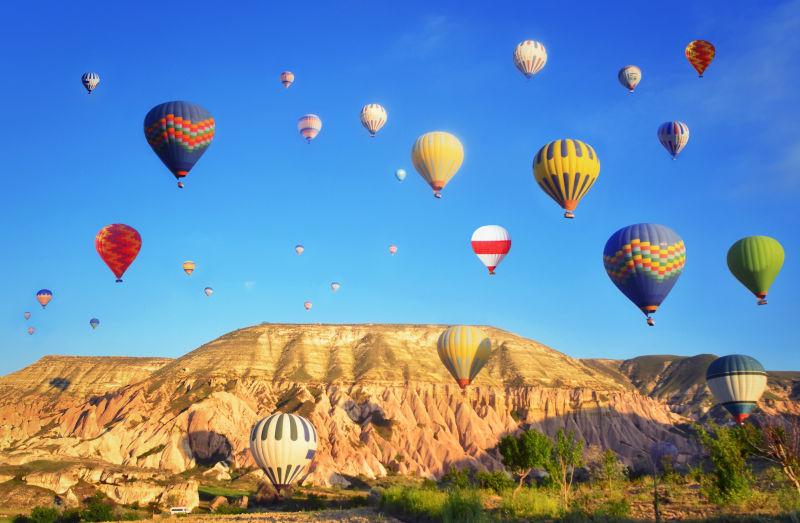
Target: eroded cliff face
{"points": [[379, 397]]}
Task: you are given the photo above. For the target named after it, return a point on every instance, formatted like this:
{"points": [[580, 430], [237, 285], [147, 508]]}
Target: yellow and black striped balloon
{"points": [[566, 170]]}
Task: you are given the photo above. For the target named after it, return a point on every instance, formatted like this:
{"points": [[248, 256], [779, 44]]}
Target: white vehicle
{"points": [[179, 510]]}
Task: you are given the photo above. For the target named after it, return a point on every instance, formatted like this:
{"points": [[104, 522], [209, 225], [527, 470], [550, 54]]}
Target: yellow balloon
{"points": [[566, 170], [437, 156], [464, 351], [188, 267]]}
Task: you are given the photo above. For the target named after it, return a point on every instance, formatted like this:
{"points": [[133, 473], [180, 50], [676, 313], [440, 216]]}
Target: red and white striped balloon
{"points": [[393, 249], [307, 305], [491, 243]]}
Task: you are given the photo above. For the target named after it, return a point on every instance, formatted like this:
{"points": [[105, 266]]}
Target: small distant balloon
{"points": [[43, 297], [27, 315], [393, 249], [530, 57], [662, 452], [309, 126], [94, 322], [31, 330], [400, 174], [287, 78], [188, 267], [373, 117], [673, 136], [335, 286], [90, 81], [700, 53], [307, 305], [299, 249], [630, 76], [209, 291], [491, 243]]}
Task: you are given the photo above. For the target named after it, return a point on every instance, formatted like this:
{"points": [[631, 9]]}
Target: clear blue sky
{"points": [[72, 163]]}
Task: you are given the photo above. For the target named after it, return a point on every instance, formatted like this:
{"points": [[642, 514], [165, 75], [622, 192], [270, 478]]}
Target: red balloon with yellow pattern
{"points": [[700, 53], [118, 245]]}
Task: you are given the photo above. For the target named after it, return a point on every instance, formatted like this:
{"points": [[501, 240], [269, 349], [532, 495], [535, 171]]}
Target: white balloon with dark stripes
{"points": [[283, 445], [90, 81]]}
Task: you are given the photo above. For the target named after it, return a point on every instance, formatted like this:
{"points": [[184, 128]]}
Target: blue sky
{"points": [[72, 163]]}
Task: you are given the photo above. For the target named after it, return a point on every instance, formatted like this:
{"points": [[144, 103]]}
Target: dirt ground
{"points": [[359, 515]]}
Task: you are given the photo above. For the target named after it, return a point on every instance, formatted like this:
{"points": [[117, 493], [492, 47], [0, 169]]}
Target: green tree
{"points": [[730, 479], [521, 454], [566, 456], [778, 443]]}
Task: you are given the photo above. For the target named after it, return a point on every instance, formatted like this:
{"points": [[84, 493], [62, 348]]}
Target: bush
{"points": [[529, 503], [457, 478], [497, 481], [97, 509], [410, 502], [730, 480], [463, 506], [229, 509], [39, 515], [613, 509]]}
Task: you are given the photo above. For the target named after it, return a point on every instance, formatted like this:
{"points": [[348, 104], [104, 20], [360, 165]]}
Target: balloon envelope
{"points": [[565, 170], [530, 57], [400, 174], [630, 76], [209, 291], [31, 330], [737, 383], [188, 267], [373, 117], [27, 315], [179, 133], [673, 136], [299, 249], [335, 286], [90, 81], [644, 261], [283, 445], [756, 261], [309, 126], [287, 78], [661, 452], [307, 305], [118, 245], [700, 53], [94, 322], [437, 156], [43, 297], [393, 249], [491, 243], [464, 350]]}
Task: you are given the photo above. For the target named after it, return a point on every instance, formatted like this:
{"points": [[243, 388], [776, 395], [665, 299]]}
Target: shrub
{"points": [[604, 467], [410, 502], [97, 509], [567, 455], [613, 509], [457, 478], [529, 503], [730, 480], [521, 454], [39, 515], [463, 506], [229, 509], [71, 515], [497, 481]]}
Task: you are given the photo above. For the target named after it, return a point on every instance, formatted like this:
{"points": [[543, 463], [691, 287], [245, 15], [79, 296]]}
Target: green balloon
{"points": [[756, 261]]}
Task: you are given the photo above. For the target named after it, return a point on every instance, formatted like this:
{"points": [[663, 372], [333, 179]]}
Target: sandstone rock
{"points": [[220, 471], [182, 494], [59, 482], [243, 502], [217, 502], [6, 477]]}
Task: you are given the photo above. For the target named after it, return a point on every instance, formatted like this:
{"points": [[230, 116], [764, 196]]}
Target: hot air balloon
{"points": [[307, 305], [661, 453], [287, 78], [299, 249], [27, 315], [90, 81], [756, 261], [43, 297], [530, 57], [737, 383], [118, 245], [673, 136], [400, 174], [209, 291], [393, 249], [566, 170], [700, 53], [630, 76], [644, 262], [93, 323], [309, 126], [179, 133], [31, 330], [373, 117], [491, 243], [464, 351], [283, 445], [335, 286], [188, 267], [437, 156]]}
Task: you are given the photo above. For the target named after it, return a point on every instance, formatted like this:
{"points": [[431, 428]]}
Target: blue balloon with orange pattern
{"points": [[644, 261], [179, 133]]}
